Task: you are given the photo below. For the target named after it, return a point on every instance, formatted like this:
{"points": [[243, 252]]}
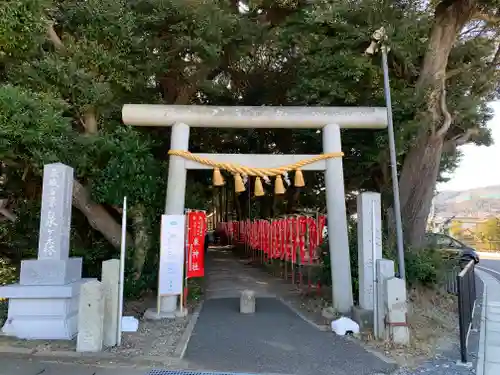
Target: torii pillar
{"points": [[329, 119]]}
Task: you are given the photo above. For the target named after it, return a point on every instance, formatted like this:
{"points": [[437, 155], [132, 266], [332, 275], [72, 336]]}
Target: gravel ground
{"points": [[446, 362], [437, 367], [153, 339]]}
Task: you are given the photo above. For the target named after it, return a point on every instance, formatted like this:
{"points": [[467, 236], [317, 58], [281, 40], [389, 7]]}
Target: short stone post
{"points": [[397, 307], [111, 282], [385, 271], [91, 317], [247, 302]]}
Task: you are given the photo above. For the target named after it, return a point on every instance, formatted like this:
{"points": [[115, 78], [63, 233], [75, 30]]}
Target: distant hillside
{"points": [[480, 202]]}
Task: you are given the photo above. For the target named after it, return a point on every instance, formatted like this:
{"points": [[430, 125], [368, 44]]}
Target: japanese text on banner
{"points": [[197, 226]]}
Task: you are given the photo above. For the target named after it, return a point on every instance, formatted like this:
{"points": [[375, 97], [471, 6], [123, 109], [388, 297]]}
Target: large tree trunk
{"points": [[421, 165], [417, 182], [98, 217]]}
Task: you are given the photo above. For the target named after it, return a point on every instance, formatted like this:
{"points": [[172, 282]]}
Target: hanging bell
{"points": [[217, 179], [239, 186], [299, 179], [259, 190], [279, 188]]}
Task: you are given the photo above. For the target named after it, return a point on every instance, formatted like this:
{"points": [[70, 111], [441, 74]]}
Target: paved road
{"points": [[490, 264]]}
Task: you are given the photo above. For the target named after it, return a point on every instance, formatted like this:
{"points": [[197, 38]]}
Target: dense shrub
{"points": [[427, 267]]}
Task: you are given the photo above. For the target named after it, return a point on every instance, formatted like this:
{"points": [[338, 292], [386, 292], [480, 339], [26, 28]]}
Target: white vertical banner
{"points": [[172, 246]]}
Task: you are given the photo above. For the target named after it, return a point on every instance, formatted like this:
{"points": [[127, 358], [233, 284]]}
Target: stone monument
{"points": [[44, 304]]}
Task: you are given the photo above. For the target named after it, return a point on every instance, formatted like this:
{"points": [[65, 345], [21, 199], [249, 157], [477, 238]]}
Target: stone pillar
{"points": [[369, 245], [337, 222], [176, 192], [90, 317], [111, 283]]}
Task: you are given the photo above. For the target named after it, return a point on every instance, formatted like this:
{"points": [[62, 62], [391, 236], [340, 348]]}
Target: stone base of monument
{"points": [[42, 312], [50, 271], [363, 317], [152, 314]]}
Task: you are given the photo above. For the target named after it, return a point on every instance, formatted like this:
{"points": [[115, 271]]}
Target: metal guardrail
{"points": [[466, 288], [450, 282]]}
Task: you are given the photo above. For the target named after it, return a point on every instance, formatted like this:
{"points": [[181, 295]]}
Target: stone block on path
{"points": [[91, 317], [247, 302]]}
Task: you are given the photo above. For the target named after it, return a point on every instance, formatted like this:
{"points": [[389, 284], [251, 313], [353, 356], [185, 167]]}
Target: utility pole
{"points": [[379, 39]]}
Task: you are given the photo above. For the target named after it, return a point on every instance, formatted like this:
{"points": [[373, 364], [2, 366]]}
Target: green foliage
{"points": [[4, 309], [325, 276], [8, 275], [22, 28], [128, 169], [205, 52], [33, 128], [425, 267]]}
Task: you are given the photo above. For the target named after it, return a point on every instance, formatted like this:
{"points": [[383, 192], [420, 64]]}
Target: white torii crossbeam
{"points": [[254, 117], [329, 119]]}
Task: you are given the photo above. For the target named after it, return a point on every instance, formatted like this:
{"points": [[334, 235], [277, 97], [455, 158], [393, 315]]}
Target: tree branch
{"points": [[447, 117], [454, 72], [462, 139], [90, 121], [488, 18], [98, 217], [6, 212], [53, 37]]}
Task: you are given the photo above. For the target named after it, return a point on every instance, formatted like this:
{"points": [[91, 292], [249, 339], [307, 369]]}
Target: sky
{"points": [[477, 168]]}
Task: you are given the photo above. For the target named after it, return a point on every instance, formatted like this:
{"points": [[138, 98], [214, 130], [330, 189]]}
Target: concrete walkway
{"points": [[489, 345], [227, 276], [274, 340]]}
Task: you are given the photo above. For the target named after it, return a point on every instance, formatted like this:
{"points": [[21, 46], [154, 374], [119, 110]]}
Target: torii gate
{"points": [[329, 119]]}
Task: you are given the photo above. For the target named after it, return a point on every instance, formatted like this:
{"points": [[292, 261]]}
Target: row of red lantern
{"points": [[278, 238]]}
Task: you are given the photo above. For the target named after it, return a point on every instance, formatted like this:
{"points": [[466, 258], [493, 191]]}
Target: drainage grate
{"points": [[189, 372]]}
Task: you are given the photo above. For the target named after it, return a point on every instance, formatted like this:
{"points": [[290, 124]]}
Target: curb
{"points": [[482, 332], [6, 349], [181, 347], [323, 328], [102, 360]]}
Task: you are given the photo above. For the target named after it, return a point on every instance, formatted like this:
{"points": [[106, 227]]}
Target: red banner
{"points": [[292, 239], [197, 227]]}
